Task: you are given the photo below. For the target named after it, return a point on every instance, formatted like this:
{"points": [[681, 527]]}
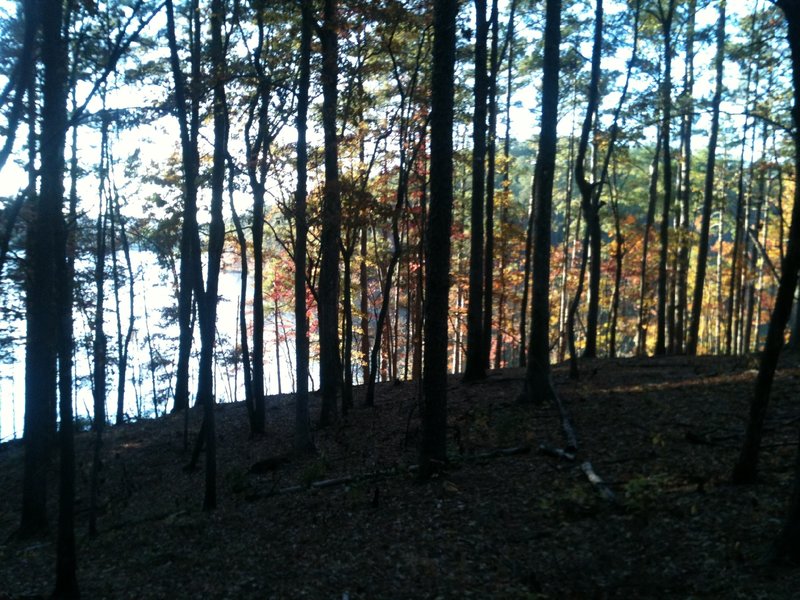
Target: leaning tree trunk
{"points": [[746, 467], [788, 543], [243, 337]]}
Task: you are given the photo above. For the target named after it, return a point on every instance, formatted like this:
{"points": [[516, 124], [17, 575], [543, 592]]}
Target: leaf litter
{"points": [[504, 521]]}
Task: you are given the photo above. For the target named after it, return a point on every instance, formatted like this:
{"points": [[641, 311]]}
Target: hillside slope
{"points": [[507, 521]]}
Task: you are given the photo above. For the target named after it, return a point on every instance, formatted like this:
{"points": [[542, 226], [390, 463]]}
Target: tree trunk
{"points": [[433, 446], [99, 346], [708, 190], [123, 355], [188, 117], [302, 431], [42, 305], [207, 308], [474, 368], [682, 274], [328, 304], [746, 467], [243, 338], [489, 257], [589, 199], [641, 328], [347, 325], [537, 376], [364, 306], [66, 560], [526, 278], [665, 17]]}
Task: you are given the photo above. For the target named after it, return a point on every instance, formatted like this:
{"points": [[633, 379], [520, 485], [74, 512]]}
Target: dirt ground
{"points": [[505, 521]]}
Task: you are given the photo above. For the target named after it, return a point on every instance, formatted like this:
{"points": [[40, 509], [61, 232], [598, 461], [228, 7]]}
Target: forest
{"points": [[446, 242]]}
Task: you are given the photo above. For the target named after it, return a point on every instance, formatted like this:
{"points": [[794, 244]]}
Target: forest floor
{"points": [[663, 434]]}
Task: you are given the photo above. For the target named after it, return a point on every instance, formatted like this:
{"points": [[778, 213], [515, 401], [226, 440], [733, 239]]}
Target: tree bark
{"points": [[331, 225], [537, 376], [302, 430], [491, 153], [665, 18], [188, 118], [474, 368], [641, 328], [708, 189], [682, 274], [746, 467], [66, 559], [589, 199], [433, 446]]}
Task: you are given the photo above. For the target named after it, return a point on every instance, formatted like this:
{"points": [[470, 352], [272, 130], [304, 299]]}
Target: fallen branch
{"points": [[556, 452], [386, 473], [566, 422], [597, 482]]}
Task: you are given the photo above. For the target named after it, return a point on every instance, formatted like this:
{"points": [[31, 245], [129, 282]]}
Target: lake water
{"points": [[154, 293]]}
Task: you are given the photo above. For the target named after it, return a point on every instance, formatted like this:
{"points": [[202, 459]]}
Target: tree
{"points": [[207, 299], [788, 543], [475, 366], [537, 375], [328, 305], [746, 468], [665, 16], [410, 141], [302, 441], [433, 446], [188, 114], [708, 189], [43, 252], [590, 204], [677, 315]]}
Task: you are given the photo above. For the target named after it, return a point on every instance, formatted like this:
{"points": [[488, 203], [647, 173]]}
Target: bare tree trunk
{"points": [[746, 467], [665, 17], [302, 437], [682, 274], [708, 190], [488, 255], [189, 120], [474, 368], [243, 335], [641, 328], [537, 377], [330, 369], [590, 203], [364, 306], [433, 446], [526, 278]]}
